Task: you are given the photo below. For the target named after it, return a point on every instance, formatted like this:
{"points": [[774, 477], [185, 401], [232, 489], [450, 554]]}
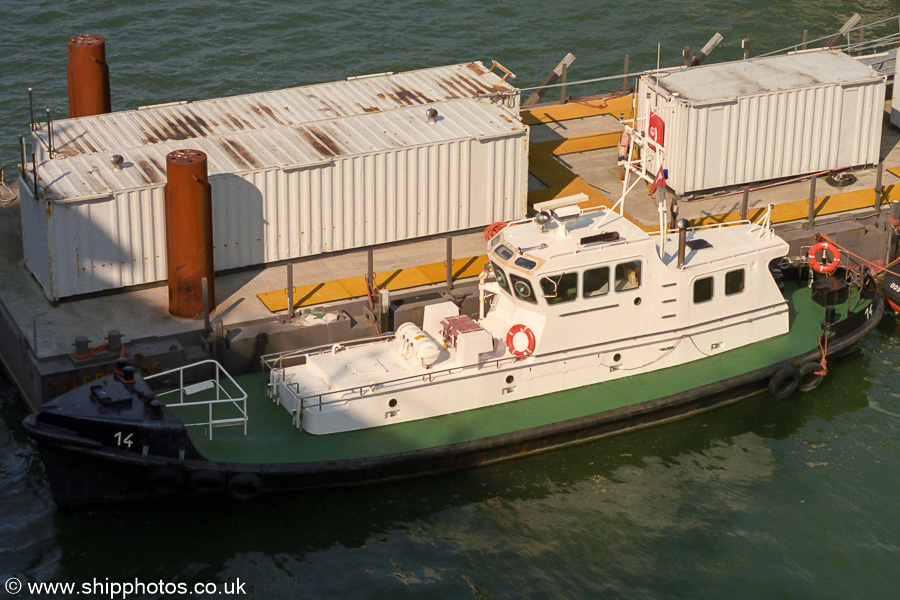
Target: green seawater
{"points": [[763, 499]]}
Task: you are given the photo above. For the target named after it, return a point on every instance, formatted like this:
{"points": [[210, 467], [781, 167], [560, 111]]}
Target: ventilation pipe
{"points": [[189, 239], [88, 76]]}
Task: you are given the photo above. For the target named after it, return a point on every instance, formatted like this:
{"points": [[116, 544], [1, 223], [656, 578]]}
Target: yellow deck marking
{"points": [[578, 110], [355, 287]]}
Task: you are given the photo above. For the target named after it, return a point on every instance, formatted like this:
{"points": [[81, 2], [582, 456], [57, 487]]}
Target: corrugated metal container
{"points": [[280, 192], [765, 118], [176, 121]]}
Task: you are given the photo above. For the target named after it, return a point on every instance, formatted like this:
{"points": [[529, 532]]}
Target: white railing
{"points": [[222, 396]]}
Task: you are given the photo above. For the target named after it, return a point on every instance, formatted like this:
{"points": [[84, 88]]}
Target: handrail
{"points": [[269, 360], [222, 395]]}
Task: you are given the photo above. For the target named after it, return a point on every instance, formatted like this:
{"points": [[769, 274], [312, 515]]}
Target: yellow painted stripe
{"points": [[583, 143], [824, 205], [578, 110], [355, 287]]}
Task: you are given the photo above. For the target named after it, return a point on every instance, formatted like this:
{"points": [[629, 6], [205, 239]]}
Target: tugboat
{"points": [[588, 326]]}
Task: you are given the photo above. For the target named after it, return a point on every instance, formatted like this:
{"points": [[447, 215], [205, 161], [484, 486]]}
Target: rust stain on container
{"points": [[149, 173], [323, 144], [188, 232], [88, 76], [371, 109], [263, 109], [238, 153]]}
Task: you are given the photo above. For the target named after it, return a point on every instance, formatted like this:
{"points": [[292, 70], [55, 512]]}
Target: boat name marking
{"points": [[123, 441]]}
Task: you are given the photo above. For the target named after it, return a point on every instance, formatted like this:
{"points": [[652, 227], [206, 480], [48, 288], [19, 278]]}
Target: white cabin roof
{"points": [[600, 236]]}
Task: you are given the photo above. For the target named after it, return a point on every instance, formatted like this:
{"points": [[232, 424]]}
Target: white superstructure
{"points": [[578, 298]]}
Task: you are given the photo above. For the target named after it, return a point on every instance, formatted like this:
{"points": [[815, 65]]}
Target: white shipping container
{"points": [[280, 193], [766, 118]]}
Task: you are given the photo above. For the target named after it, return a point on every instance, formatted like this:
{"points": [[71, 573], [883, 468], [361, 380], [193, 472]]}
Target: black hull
{"points": [[82, 471]]}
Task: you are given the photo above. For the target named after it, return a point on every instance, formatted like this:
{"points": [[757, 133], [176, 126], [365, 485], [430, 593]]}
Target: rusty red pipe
{"points": [[88, 76], [189, 233]]}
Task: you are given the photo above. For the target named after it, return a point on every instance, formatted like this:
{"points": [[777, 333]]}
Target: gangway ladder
{"points": [[237, 398]]}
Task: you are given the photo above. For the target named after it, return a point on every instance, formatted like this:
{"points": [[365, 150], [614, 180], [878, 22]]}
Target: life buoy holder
{"points": [[826, 268], [510, 341]]}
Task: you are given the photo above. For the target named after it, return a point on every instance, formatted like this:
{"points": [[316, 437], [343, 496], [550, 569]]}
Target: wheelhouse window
{"points": [[703, 290], [504, 252], [734, 282], [560, 288], [628, 276], [596, 282], [523, 289], [502, 281]]}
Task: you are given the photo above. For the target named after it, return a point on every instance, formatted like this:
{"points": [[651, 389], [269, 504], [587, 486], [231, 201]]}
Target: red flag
{"points": [[659, 182]]}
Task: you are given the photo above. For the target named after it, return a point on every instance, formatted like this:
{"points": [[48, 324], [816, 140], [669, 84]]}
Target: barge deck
{"points": [[572, 152]]}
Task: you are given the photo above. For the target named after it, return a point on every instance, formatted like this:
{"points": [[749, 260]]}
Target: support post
{"points": [[850, 24], [625, 78], [745, 46], [892, 251], [805, 39], [879, 190], [290, 290], [745, 202], [707, 49], [204, 287], [811, 219], [450, 263], [550, 79], [686, 54], [370, 267], [562, 80]]}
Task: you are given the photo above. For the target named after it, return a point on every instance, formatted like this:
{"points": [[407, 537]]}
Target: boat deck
{"points": [[272, 438]]}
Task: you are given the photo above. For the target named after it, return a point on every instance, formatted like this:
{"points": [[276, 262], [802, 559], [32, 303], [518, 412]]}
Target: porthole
{"points": [[393, 403], [637, 301], [617, 357], [510, 379]]}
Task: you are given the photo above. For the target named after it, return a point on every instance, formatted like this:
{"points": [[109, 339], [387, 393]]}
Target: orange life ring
{"points": [[519, 328], [827, 247]]}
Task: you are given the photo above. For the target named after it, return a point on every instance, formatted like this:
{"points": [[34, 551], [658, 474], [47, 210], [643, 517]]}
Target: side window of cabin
{"points": [[522, 288], [628, 276], [501, 278], [560, 288], [734, 282], [596, 282], [703, 290]]}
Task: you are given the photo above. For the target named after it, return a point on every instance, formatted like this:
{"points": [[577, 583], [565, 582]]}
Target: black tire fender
{"points": [[165, 480], [784, 382], [245, 486], [809, 380], [207, 482]]}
